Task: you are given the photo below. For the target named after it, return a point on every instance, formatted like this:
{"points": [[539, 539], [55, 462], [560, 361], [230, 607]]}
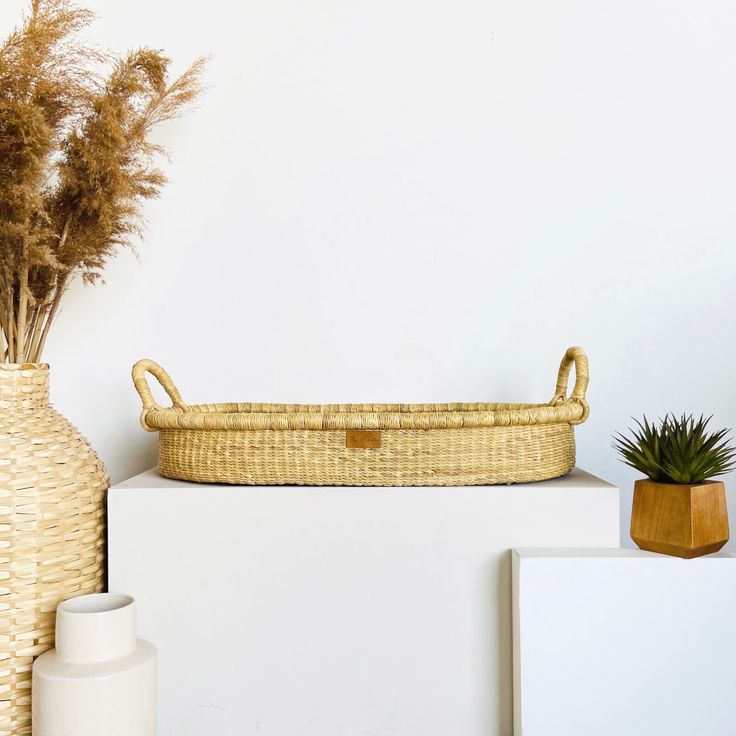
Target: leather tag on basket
{"points": [[363, 438]]}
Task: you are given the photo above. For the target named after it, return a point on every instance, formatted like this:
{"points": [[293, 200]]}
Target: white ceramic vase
{"points": [[101, 679]]}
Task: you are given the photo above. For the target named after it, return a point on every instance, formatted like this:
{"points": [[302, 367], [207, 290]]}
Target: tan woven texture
{"points": [[420, 444], [52, 528]]}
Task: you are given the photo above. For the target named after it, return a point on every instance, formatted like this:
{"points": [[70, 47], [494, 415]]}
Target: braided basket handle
{"points": [[144, 390], [573, 356]]}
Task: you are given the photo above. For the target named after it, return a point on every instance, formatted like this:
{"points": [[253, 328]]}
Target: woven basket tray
{"points": [[366, 444]]}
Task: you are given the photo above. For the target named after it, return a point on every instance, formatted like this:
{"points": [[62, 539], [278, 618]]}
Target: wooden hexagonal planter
{"points": [[681, 520]]}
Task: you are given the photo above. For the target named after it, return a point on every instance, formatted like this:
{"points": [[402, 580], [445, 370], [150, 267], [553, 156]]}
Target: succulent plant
{"points": [[677, 450]]}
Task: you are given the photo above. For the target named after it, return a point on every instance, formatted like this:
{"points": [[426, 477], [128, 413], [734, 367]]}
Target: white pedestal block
{"points": [[337, 611], [619, 642]]}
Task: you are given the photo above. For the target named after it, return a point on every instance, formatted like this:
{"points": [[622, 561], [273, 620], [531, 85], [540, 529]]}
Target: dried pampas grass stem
{"points": [[76, 161]]}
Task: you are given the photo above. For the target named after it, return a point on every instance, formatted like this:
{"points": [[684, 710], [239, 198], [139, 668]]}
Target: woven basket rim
{"points": [[361, 416], [560, 410], [24, 366]]}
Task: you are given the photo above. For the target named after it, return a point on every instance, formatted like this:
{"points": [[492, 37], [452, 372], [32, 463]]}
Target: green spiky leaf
{"points": [[677, 450]]}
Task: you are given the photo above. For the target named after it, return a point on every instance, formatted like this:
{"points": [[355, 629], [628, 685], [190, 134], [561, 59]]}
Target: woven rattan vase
{"points": [[52, 523]]}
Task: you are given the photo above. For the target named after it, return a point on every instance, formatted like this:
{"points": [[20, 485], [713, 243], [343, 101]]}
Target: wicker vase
{"points": [[52, 523]]}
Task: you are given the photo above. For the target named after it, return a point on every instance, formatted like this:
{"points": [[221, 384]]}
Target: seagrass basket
{"points": [[366, 444]]}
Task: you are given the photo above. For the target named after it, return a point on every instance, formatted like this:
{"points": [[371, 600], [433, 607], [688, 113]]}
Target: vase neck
{"points": [[24, 385], [95, 628]]}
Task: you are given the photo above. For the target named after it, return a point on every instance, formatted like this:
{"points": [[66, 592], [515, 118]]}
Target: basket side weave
{"points": [[437, 457]]}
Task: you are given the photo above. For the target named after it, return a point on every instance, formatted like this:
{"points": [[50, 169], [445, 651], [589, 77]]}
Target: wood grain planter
{"points": [[682, 520]]}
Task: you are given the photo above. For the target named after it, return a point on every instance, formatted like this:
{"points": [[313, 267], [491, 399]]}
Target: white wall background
{"points": [[420, 200]]}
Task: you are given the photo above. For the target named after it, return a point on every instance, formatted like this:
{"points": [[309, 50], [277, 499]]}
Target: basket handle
{"points": [[144, 390], [576, 356]]}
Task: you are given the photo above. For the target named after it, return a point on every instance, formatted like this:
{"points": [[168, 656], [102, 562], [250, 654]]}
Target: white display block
{"points": [[623, 642], [319, 611]]}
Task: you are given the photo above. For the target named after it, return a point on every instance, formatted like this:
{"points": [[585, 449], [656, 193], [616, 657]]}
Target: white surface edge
{"points": [[605, 552], [151, 478]]}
